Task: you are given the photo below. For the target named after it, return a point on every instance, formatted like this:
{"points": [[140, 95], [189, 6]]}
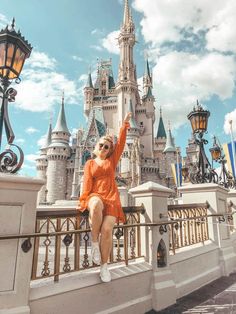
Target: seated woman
{"points": [[101, 197]]}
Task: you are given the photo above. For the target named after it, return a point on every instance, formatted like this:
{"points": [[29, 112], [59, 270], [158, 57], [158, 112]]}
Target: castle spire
{"points": [[132, 121], [61, 125], [89, 81], [170, 146], [126, 14], [161, 133], [48, 138]]}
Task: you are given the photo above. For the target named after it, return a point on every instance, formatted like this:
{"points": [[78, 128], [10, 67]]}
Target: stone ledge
{"points": [[46, 287]]}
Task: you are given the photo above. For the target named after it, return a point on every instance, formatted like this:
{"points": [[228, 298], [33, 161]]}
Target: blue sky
{"points": [[191, 47]]}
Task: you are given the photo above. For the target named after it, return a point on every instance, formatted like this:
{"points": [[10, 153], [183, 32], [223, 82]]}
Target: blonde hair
{"points": [[107, 138]]}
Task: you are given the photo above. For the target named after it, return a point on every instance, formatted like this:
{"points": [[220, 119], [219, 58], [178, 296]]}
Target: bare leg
{"points": [[106, 237], [95, 206]]}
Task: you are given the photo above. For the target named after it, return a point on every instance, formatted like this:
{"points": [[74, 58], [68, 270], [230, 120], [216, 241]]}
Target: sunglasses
{"points": [[106, 147]]}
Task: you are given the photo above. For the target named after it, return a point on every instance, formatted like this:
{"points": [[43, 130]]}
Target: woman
{"points": [[101, 197]]}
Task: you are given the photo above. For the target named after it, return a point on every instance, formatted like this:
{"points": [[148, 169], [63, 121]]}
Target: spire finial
{"points": [[126, 13], [160, 111], [63, 96], [13, 23]]}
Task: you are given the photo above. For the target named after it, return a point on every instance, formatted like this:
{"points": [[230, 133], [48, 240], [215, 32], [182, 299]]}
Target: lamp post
{"points": [[225, 178], [203, 171], [14, 49]]}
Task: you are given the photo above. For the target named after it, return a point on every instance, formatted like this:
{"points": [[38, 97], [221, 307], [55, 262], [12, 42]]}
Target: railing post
{"points": [[219, 228], [155, 243], [18, 197]]}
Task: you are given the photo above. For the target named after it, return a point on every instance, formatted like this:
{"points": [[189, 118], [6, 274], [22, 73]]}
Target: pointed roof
{"points": [[133, 124], [95, 116], [170, 146], [61, 125], [126, 13], [48, 138], [89, 81], [161, 129], [147, 70]]}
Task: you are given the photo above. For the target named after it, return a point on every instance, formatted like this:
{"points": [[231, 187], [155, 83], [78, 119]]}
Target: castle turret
{"points": [[88, 95], [170, 157], [42, 163], [57, 154]]}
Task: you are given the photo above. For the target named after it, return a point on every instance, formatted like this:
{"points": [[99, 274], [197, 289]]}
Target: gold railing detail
{"points": [[190, 225], [58, 253]]}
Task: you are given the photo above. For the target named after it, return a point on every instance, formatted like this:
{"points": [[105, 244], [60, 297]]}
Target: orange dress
{"points": [[100, 180]]}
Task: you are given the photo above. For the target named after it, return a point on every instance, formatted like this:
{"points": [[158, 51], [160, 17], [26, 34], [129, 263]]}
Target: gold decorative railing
{"points": [[62, 238], [190, 225], [64, 242]]}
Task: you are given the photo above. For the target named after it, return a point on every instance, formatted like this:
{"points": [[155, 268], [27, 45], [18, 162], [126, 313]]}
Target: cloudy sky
{"points": [[191, 45]]}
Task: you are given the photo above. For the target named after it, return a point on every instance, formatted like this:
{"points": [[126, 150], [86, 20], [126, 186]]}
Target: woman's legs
{"points": [[106, 237], [95, 206]]}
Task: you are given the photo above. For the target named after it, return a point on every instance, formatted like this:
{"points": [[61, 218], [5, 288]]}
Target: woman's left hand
{"points": [[128, 116]]}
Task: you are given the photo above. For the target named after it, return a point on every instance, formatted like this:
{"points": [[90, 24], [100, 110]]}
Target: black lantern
{"points": [[202, 171], [224, 178], [215, 150], [199, 119], [14, 49]]}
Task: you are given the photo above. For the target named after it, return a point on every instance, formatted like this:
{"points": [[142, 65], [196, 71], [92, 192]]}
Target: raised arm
{"points": [[119, 147], [87, 185]]}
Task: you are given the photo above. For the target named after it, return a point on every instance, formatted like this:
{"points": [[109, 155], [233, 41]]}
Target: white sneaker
{"points": [[104, 273], [95, 252]]}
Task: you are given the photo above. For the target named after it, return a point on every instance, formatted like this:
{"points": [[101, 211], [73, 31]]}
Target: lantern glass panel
{"points": [[18, 61], [10, 53], [2, 54], [215, 153]]}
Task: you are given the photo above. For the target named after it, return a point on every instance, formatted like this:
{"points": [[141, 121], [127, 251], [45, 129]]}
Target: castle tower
{"points": [[88, 95], [149, 119], [42, 163], [127, 88], [57, 154]]}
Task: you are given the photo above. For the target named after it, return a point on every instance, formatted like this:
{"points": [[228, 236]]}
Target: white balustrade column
{"points": [[18, 196], [154, 198], [219, 232]]}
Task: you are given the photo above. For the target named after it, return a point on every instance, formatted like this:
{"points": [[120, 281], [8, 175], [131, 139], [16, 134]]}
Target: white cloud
{"points": [[41, 141], [41, 60], [31, 157], [77, 58], [96, 47], [41, 90], [186, 40], [31, 130], [165, 21], [231, 116], [3, 20], [20, 140], [110, 42], [181, 78]]}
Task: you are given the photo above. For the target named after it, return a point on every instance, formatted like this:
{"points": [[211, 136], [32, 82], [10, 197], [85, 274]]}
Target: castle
{"points": [[147, 156]]}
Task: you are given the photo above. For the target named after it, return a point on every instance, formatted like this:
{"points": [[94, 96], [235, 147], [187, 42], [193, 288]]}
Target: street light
{"points": [[225, 178], [203, 171], [14, 50]]}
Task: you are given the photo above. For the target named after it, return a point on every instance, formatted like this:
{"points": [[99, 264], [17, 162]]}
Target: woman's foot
{"points": [[104, 273], [95, 252]]}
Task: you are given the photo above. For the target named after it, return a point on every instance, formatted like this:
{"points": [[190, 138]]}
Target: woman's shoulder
{"points": [[88, 162]]}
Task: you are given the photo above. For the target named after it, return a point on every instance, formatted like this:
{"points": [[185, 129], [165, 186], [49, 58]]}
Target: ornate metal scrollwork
{"points": [[9, 161], [162, 229]]}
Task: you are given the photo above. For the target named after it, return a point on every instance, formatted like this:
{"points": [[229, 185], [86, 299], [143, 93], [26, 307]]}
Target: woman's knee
{"points": [[95, 205]]}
